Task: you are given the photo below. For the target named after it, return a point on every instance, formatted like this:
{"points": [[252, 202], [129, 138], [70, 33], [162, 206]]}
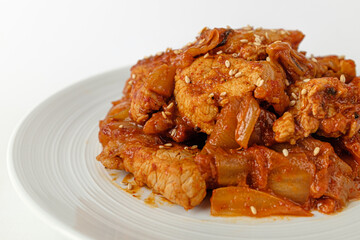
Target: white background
{"points": [[46, 45]]}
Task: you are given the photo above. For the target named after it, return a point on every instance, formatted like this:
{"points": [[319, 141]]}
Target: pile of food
{"points": [[241, 112]]}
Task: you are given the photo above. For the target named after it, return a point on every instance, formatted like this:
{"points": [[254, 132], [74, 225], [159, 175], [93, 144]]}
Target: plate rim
{"points": [[41, 213], [49, 218]]}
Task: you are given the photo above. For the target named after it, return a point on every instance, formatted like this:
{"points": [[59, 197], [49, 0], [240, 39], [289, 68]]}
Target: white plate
{"points": [[52, 165]]}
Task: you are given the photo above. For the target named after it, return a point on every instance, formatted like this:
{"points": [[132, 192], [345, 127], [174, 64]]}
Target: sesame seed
{"points": [[187, 79], [285, 152], [133, 76], [342, 57], [278, 41], [121, 126], [253, 210], [257, 43], [219, 52], [313, 59], [342, 78], [170, 105], [163, 114], [227, 63], [201, 41], [206, 55], [238, 74], [124, 183], [173, 132], [316, 151], [186, 148], [292, 103], [130, 82], [159, 53], [129, 186], [194, 146], [259, 82], [143, 117], [161, 146], [304, 91], [273, 30], [294, 95], [282, 32], [235, 55], [268, 59], [224, 102], [167, 113], [244, 40], [188, 44], [306, 80], [287, 82], [223, 94], [177, 51], [211, 95], [168, 144], [231, 72]]}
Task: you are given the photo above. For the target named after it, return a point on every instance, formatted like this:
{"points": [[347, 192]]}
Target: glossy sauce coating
{"points": [[243, 112]]}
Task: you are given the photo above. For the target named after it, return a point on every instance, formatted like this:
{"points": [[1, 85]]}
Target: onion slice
{"points": [[244, 201]]}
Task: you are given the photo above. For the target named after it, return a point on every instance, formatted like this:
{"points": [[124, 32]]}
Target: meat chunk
{"points": [[352, 145], [151, 82], [335, 66], [284, 128], [151, 86], [169, 170], [263, 133], [144, 86], [250, 44], [206, 85], [295, 64], [326, 106], [331, 176], [298, 67]]}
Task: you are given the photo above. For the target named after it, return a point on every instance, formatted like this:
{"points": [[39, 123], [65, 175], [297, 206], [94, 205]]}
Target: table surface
{"points": [[48, 45]]}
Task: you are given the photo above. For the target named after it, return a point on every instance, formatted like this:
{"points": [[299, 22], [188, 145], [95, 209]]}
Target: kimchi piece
{"points": [[241, 113]]}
